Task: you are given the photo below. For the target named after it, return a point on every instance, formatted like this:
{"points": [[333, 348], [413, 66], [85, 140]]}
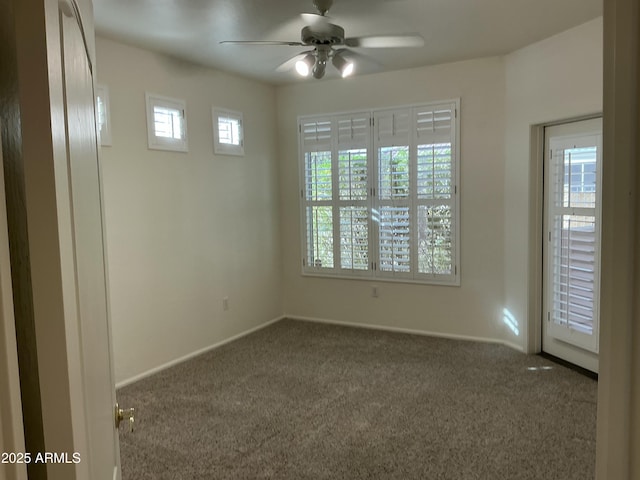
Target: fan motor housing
{"points": [[330, 35]]}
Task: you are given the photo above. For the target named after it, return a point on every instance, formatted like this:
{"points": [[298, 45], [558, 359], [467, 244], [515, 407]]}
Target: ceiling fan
{"points": [[324, 37]]}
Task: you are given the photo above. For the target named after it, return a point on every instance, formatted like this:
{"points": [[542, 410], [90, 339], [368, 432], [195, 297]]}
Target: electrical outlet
{"points": [[225, 303], [374, 292]]}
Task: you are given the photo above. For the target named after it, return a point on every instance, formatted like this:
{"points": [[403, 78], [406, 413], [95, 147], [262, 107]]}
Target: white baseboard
{"points": [[411, 331], [515, 346], [191, 355], [369, 326]]}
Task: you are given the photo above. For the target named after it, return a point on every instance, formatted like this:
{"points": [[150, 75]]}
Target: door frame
{"points": [[536, 227], [580, 356], [40, 233], [11, 423]]}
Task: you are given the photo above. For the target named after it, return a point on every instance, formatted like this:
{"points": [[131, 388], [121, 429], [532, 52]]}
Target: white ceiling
{"points": [[453, 29]]}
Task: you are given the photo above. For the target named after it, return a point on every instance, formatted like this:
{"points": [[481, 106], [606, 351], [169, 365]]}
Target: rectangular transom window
{"points": [[103, 115], [166, 123], [379, 196], [228, 135]]}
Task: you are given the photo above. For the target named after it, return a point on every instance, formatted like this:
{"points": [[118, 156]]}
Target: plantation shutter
{"points": [[336, 193], [435, 197], [574, 239], [379, 193], [353, 140], [168, 122], [316, 142], [393, 201]]}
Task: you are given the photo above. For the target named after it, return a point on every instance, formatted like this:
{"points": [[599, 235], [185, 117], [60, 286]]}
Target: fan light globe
{"points": [[302, 68], [345, 67], [348, 69]]}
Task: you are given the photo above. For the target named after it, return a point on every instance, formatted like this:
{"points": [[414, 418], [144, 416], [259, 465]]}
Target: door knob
{"points": [[125, 414]]}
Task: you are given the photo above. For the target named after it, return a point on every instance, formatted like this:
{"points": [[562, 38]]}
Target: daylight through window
{"points": [[102, 115], [166, 123], [228, 135], [379, 194]]}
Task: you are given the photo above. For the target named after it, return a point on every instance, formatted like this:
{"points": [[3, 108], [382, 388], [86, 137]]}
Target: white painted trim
{"points": [[618, 423], [514, 346], [386, 328], [425, 333], [191, 355], [156, 142], [11, 424], [224, 148]]}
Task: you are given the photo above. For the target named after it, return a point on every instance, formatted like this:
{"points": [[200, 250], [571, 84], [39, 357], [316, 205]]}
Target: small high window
{"points": [[166, 123], [103, 116], [228, 132]]}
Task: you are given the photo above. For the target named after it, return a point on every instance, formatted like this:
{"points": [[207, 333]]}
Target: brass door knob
{"points": [[125, 414]]}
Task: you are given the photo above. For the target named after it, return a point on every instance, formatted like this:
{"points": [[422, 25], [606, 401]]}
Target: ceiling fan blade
{"points": [[261, 42], [359, 57], [289, 64], [386, 41]]}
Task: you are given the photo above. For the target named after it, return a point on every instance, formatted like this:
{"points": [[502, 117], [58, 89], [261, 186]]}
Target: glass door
{"points": [[572, 248]]}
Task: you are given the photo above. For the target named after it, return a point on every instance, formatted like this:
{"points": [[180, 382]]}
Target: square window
{"points": [[103, 115], [166, 123], [228, 134]]}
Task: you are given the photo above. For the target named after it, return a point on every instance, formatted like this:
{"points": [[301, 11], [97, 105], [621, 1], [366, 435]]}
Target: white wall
{"points": [[474, 309], [555, 79], [186, 230], [502, 98]]}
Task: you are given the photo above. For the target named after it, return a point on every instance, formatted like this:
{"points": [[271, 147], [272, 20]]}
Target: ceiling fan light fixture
{"points": [[344, 66], [319, 68], [303, 67], [322, 55]]}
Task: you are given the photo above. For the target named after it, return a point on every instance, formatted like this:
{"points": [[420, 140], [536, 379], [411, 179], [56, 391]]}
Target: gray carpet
{"points": [[308, 401]]}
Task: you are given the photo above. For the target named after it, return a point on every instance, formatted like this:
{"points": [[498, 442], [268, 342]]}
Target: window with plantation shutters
{"points": [[166, 123], [335, 194], [379, 194], [574, 239], [435, 191], [353, 189], [103, 115], [394, 200], [228, 134]]}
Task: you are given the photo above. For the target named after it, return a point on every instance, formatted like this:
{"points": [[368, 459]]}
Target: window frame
{"points": [[334, 146], [157, 142], [222, 148], [104, 128], [373, 202]]}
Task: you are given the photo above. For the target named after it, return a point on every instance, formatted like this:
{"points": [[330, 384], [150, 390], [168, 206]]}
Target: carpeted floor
{"points": [[300, 401]]}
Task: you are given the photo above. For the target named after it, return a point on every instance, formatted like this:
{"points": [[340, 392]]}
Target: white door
{"points": [[11, 426], [83, 172], [573, 171]]}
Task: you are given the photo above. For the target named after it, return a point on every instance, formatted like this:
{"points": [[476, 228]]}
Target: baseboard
{"points": [[191, 355], [512, 345], [411, 331], [369, 326]]}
